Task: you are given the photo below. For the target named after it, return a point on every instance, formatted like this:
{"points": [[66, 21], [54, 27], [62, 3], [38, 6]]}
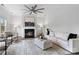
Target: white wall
{"points": [[18, 23], [65, 18], [7, 16]]}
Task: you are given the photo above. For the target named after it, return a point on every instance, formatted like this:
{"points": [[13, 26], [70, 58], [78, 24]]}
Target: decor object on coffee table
{"points": [[40, 35]]}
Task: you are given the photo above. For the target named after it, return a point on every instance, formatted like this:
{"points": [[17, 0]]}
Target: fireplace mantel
{"points": [[29, 23], [29, 27]]}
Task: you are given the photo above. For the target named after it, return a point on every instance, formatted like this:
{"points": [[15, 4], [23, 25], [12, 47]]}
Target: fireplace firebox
{"points": [[29, 33]]}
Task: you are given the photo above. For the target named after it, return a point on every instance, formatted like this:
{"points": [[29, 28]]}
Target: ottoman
{"points": [[42, 43]]}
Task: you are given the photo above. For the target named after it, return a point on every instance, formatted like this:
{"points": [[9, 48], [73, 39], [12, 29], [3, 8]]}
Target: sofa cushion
{"points": [[63, 43], [63, 36]]}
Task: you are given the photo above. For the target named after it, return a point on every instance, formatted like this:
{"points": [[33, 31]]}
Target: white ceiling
{"points": [[17, 9]]}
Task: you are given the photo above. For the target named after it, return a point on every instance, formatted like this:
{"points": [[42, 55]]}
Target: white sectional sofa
{"points": [[61, 39]]}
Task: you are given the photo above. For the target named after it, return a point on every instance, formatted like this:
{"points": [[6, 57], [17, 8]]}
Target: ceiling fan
{"points": [[33, 9]]}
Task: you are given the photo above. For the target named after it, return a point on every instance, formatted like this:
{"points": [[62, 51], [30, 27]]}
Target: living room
{"points": [[39, 29]]}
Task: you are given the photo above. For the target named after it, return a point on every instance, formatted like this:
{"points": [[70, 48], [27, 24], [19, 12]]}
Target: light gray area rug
{"points": [[27, 47]]}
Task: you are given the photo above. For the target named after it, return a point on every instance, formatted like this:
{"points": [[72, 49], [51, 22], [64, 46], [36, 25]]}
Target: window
{"points": [[2, 24]]}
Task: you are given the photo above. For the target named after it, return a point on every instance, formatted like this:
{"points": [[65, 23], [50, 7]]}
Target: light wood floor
{"points": [[27, 47]]}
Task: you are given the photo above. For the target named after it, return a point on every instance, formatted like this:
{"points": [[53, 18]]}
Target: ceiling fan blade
{"points": [[27, 7], [30, 13], [41, 9], [34, 7], [35, 12]]}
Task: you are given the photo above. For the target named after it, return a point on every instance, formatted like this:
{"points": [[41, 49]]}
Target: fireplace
{"points": [[29, 33]]}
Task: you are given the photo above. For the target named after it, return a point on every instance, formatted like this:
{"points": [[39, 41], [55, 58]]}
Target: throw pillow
{"points": [[72, 36]]}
